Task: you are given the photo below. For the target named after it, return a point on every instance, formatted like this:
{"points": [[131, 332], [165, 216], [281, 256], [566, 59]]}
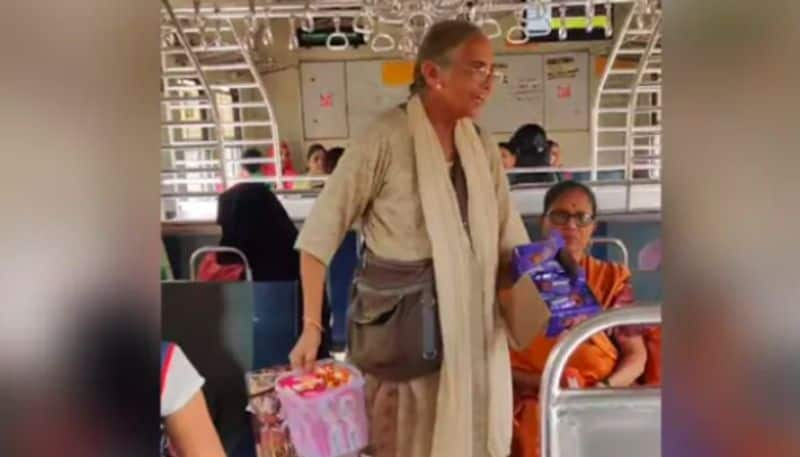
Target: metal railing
{"points": [[598, 422], [616, 242], [248, 272]]}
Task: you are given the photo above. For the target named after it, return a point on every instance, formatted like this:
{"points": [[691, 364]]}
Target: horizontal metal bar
{"points": [[633, 71], [283, 179], [226, 86], [640, 90], [198, 145], [188, 124], [226, 67], [178, 70], [208, 30], [613, 111], [180, 74], [190, 170], [213, 162], [624, 148], [652, 166], [191, 89], [339, 8], [607, 398], [522, 170], [200, 49], [647, 129], [636, 51], [228, 143], [196, 106], [646, 32], [202, 103], [248, 124], [208, 124], [244, 105], [190, 195], [186, 100], [177, 181], [257, 160]]}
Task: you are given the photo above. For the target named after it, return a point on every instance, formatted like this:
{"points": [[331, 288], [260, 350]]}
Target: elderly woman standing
{"points": [[424, 185]]}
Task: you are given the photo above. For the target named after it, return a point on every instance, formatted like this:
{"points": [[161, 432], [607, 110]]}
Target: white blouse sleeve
{"points": [[181, 382]]}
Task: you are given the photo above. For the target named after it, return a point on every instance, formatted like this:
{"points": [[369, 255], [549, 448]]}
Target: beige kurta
{"points": [[375, 185]]}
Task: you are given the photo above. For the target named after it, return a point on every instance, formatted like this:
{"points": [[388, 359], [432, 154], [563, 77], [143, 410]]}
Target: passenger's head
{"points": [[554, 150], [315, 160], [508, 157], [529, 144], [252, 168], [571, 208], [455, 67], [286, 153], [332, 157]]}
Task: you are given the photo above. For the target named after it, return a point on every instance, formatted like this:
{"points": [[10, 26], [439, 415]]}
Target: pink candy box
{"points": [[330, 423]]}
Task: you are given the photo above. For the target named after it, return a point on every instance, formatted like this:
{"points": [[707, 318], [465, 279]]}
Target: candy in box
{"points": [[325, 409]]}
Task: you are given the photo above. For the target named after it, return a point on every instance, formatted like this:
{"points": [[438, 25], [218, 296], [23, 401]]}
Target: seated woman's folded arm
{"points": [[632, 360]]}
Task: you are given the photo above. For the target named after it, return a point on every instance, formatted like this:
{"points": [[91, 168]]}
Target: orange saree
{"points": [[592, 362]]}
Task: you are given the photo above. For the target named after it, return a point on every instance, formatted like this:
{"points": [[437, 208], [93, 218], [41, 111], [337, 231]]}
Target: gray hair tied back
{"points": [[439, 43]]}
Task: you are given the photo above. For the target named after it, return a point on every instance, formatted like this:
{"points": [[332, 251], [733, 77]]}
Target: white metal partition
{"points": [[216, 105], [626, 111], [599, 422]]}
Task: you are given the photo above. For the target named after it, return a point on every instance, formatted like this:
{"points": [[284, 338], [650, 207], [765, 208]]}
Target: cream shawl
{"points": [[465, 268]]}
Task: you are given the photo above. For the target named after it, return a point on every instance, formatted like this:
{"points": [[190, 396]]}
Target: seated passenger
{"points": [[609, 359], [187, 430], [332, 159], [555, 160], [529, 147], [287, 168], [254, 221], [252, 169], [508, 157], [315, 161]]}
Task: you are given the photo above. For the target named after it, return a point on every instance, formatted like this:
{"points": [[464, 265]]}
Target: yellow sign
{"points": [[397, 73], [581, 22]]}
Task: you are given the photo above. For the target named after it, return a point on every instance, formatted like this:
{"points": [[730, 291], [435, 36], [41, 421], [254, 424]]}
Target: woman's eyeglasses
{"points": [[484, 73], [561, 218]]}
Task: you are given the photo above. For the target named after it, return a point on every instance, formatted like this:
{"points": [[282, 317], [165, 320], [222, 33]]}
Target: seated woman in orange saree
{"points": [[609, 359]]}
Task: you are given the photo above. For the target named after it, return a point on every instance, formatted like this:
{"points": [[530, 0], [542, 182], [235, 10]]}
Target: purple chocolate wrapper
{"points": [[536, 257], [560, 302], [559, 286], [559, 320]]}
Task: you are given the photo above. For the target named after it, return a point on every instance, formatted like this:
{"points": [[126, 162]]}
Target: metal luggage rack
{"points": [[215, 103]]}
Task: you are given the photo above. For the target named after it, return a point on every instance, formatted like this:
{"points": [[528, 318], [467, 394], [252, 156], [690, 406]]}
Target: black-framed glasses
{"points": [[561, 218]]}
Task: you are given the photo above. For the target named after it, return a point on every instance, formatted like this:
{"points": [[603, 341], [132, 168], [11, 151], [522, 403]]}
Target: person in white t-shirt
{"points": [[187, 430]]}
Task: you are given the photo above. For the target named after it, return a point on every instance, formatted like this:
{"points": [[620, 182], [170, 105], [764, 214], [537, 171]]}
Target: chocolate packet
{"points": [[560, 281]]}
